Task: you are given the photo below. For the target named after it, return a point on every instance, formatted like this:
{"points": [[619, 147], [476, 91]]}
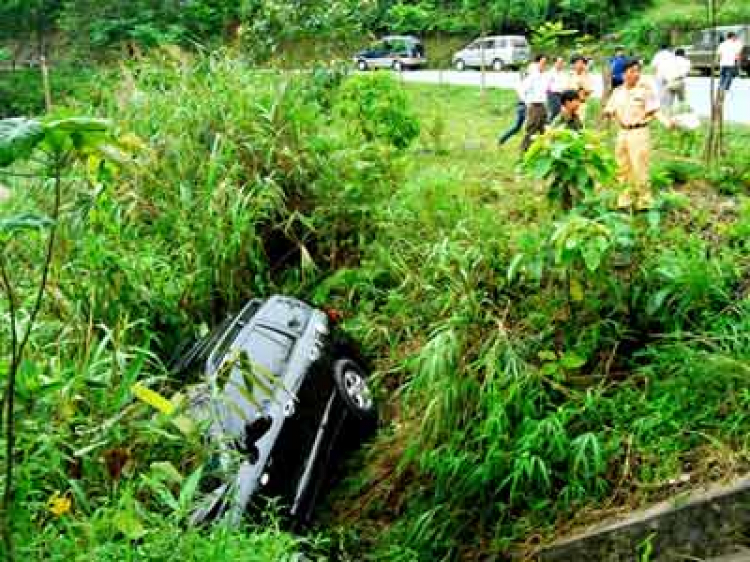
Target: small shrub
{"points": [[377, 107]]}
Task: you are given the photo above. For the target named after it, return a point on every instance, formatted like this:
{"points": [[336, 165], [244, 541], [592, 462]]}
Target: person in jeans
{"points": [[520, 118], [729, 57], [534, 89], [557, 85]]}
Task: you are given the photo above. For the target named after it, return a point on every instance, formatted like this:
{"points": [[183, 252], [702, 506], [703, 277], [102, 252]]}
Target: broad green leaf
{"points": [[167, 471], [572, 361], [592, 257], [129, 525], [18, 138], [82, 134], [79, 125], [547, 355]]}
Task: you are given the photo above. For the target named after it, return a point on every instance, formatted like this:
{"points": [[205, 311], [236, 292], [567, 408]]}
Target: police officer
{"points": [[633, 106]]}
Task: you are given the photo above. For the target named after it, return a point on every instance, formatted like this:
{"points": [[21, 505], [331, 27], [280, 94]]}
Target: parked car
{"points": [[702, 51], [284, 397], [496, 52], [398, 52]]}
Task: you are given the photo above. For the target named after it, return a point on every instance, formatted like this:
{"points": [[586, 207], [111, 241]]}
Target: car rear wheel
{"points": [[497, 65], [460, 65], [362, 66], [352, 386]]}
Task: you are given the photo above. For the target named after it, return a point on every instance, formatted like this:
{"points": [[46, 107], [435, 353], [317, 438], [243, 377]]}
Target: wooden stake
{"points": [[45, 84]]}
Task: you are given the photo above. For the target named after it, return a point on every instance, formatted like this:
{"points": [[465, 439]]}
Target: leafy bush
{"points": [[574, 164], [376, 106]]}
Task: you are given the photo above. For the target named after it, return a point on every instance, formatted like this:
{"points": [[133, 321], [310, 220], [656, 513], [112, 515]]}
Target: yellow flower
{"points": [[59, 505]]}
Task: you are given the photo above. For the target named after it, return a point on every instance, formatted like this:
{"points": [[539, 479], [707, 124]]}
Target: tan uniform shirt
{"points": [[581, 82], [633, 106]]}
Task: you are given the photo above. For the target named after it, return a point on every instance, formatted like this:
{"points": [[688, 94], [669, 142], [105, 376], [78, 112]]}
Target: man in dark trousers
{"points": [[535, 88], [520, 118]]}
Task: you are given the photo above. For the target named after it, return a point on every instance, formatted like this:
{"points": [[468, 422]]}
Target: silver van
{"points": [[496, 52]]}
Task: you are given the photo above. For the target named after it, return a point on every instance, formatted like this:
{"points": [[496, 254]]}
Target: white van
{"points": [[496, 52]]}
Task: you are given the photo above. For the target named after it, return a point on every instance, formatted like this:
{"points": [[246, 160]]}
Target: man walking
{"points": [[729, 58], [581, 82], [662, 59], [558, 82], [520, 117], [633, 106], [534, 89], [568, 117], [676, 73]]}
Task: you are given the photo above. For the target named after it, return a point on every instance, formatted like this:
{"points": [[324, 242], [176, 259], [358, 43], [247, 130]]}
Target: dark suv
{"points": [[285, 395]]}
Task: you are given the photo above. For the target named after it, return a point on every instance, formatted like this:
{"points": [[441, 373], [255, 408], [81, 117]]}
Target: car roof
{"points": [[500, 37], [401, 38], [726, 28]]}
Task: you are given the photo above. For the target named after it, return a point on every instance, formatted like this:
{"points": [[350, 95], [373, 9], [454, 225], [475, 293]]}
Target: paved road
{"points": [[698, 89]]}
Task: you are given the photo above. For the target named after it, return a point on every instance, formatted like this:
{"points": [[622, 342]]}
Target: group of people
{"points": [[556, 96]]}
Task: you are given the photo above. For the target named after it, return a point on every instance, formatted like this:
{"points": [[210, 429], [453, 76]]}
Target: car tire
{"points": [[362, 66], [497, 65], [460, 65], [397, 66], [351, 384]]}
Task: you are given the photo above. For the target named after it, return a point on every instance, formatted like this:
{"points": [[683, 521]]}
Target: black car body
{"points": [[285, 395]]}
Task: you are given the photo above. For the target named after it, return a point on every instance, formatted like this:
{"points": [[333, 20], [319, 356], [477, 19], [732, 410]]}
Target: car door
{"points": [[501, 51], [472, 54], [375, 54]]}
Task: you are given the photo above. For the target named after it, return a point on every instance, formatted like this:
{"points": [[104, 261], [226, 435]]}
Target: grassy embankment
{"points": [[513, 407]]}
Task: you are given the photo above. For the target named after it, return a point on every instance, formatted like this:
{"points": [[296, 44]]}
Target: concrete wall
{"points": [[700, 525]]}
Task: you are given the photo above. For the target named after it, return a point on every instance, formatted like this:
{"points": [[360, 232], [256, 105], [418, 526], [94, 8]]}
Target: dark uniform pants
{"points": [[536, 120]]}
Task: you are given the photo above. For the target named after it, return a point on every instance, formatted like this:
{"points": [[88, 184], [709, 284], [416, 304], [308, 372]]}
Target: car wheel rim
{"points": [[357, 390]]}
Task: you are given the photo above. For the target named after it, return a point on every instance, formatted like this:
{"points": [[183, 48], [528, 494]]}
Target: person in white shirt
{"points": [[558, 84], [534, 90], [663, 59], [729, 57], [676, 72]]}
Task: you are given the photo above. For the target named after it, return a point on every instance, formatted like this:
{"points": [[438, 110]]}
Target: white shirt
{"points": [[535, 87], [662, 59], [678, 67], [558, 81], [729, 52]]}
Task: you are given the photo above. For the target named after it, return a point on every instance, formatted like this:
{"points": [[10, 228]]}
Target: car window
{"points": [[231, 334], [501, 44], [268, 348], [489, 44], [520, 42]]}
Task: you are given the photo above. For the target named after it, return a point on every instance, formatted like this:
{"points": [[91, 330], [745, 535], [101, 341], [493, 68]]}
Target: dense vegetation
{"points": [[541, 360], [93, 24], [536, 368]]}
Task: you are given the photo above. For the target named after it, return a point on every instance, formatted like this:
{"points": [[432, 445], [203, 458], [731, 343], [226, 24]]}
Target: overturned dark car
{"points": [[284, 398]]}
